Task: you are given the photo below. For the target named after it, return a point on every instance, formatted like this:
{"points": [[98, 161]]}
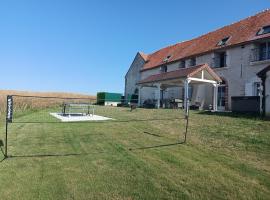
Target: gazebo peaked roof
{"points": [[264, 71], [181, 74]]}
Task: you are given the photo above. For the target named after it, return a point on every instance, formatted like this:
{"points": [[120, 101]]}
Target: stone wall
{"points": [[133, 75]]}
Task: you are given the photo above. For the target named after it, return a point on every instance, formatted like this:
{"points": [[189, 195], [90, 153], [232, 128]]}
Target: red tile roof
{"points": [[240, 32], [180, 73]]}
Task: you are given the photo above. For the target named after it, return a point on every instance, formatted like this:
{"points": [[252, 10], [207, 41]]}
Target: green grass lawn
{"points": [[225, 157]]}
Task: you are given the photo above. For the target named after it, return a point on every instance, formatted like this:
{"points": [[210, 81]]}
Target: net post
{"points": [[6, 139], [187, 120], [186, 106], [64, 108], [9, 113]]}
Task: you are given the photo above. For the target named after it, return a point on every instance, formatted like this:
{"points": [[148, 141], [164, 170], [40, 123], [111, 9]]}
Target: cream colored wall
{"points": [[173, 66], [240, 75], [145, 74], [148, 92], [151, 92]]}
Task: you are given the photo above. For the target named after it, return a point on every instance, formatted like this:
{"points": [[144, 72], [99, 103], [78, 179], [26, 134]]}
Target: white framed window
{"points": [[163, 68], [220, 60], [192, 62], [182, 64], [264, 51]]}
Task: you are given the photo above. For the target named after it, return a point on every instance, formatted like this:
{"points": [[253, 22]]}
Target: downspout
{"points": [[263, 94]]}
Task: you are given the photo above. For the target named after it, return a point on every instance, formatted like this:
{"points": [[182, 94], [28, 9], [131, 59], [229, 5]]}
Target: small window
{"points": [[163, 68], [220, 60], [261, 52], [264, 30], [136, 91], [167, 58], [182, 64], [192, 61], [223, 41]]}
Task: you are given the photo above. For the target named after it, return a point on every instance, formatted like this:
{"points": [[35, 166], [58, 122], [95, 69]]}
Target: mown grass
{"points": [[225, 157]]}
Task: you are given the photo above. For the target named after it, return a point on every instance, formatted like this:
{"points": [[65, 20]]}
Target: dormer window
{"points": [[167, 58], [264, 30], [223, 41], [163, 68], [182, 64]]}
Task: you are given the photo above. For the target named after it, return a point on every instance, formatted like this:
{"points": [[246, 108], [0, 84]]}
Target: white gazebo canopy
{"points": [[183, 77]]}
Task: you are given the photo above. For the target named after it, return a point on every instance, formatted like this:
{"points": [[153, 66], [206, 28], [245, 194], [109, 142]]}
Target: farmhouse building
{"points": [[234, 53]]}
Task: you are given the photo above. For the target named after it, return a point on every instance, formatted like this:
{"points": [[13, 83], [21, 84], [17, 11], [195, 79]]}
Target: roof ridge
{"points": [[169, 46], [236, 22], [259, 13], [143, 55], [140, 52], [242, 31]]}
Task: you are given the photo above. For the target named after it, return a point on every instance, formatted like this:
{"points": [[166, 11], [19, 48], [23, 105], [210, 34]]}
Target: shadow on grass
{"points": [[2, 159], [156, 146], [1, 149], [153, 134], [53, 155], [3, 154], [233, 114], [85, 154], [46, 155]]}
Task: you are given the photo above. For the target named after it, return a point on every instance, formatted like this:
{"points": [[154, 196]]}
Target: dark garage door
{"points": [[246, 104]]}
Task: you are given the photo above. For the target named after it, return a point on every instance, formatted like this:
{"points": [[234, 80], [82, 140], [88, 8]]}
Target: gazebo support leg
{"points": [[158, 100], [186, 96], [139, 96], [215, 97]]}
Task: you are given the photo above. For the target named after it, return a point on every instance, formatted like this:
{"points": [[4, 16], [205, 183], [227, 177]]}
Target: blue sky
{"points": [[86, 46]]}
